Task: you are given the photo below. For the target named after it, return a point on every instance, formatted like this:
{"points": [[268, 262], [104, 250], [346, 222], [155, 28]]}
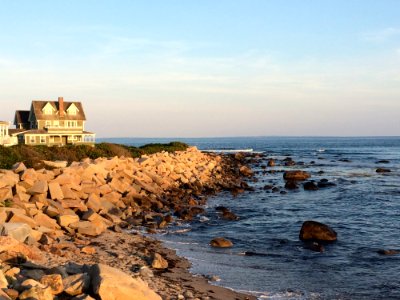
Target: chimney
{"points": [[61, 106]]}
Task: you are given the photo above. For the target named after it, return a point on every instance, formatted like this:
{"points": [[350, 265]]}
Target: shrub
{"points": [[32, 156]]}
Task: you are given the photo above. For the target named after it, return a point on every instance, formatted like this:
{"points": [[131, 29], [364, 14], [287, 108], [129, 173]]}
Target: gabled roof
{"points": [[21, 116], [37, 108]]}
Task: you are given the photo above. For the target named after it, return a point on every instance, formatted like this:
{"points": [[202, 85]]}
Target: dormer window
{"points": [[72, 110], [48, 109]]}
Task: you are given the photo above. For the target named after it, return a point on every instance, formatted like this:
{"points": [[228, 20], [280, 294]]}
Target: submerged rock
{"points": [[310, 186], [314, 246], [220, 242], [382, 170], [316, 231], [291, 185], [323, 183], [383, 161], [388, 252]]}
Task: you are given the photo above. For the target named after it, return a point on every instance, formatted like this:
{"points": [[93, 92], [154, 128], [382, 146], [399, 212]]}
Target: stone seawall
{"points": [[58, 227]]}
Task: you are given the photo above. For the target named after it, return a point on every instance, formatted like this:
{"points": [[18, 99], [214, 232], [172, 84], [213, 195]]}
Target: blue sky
{"points": [[207, 68]]}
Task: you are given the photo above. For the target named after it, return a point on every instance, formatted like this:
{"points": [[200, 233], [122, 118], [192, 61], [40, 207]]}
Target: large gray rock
{"points": [[112, 284]]}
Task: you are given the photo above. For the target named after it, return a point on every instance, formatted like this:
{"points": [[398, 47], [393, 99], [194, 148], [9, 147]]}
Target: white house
{"points": [[5, 138]]}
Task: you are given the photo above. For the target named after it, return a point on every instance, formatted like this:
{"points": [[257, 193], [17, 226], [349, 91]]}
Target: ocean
{"points": [[363, 207]]}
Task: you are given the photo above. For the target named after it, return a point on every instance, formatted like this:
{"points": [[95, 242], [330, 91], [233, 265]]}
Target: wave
{"points": [[248, 150]]}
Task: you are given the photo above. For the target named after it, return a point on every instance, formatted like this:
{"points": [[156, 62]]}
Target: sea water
{"points": [[363, 208]]}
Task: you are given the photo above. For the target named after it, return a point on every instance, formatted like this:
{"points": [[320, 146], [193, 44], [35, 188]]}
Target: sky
{"points": [[209, 68]]}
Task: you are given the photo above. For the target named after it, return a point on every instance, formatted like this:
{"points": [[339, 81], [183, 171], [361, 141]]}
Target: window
{"points": [[42, 139], [56, 123], [32, 139], [72, 124], [48, 123], [48, 111]]}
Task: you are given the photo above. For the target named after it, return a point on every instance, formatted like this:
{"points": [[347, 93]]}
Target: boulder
{"points": [[11, 249], [3, 281], [37, 293], [76, 284], [54, 282], [159, 262], [39, 187], [42, 219], [220, 242], [17, 217], [94, 228], [112, 284], [382, 170], [56, 192], [56, 164], [6, 193], [315, 231], [3, 216], [296, 175], [245, 171], [65, 220], [19, 231], [18, 167]]}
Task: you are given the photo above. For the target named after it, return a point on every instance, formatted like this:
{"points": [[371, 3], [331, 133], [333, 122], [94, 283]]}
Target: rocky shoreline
{"points": [[70, 233]]}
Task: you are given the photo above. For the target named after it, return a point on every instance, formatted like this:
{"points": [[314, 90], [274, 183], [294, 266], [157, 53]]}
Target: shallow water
{"points": [[363, 207]]}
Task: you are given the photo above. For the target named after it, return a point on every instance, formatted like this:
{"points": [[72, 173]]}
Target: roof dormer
{"points": [[72, 110], [48, 109]]}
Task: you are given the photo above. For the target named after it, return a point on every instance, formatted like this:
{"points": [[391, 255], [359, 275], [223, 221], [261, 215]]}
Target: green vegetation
{"points": [[32, 156]]}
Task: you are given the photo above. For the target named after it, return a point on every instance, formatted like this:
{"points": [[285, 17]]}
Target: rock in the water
{"points": [[228, 215], [291, 185], [310, 186], [246, 171], [315, 231], [382, 170], [220, 242], [112, 284], [323, 183], [271, 163], [159, 262], [383, 161], [388, 252], [297, 175]]}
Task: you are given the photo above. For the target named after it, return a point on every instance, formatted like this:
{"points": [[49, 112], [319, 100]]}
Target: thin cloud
{"points": [[381, 35]]}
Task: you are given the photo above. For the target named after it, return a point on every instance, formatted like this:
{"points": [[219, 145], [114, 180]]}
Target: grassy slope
{"points": [[32, 156]]}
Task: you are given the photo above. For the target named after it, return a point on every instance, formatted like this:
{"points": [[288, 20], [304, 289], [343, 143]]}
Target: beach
{"points": [[70, 230]]}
